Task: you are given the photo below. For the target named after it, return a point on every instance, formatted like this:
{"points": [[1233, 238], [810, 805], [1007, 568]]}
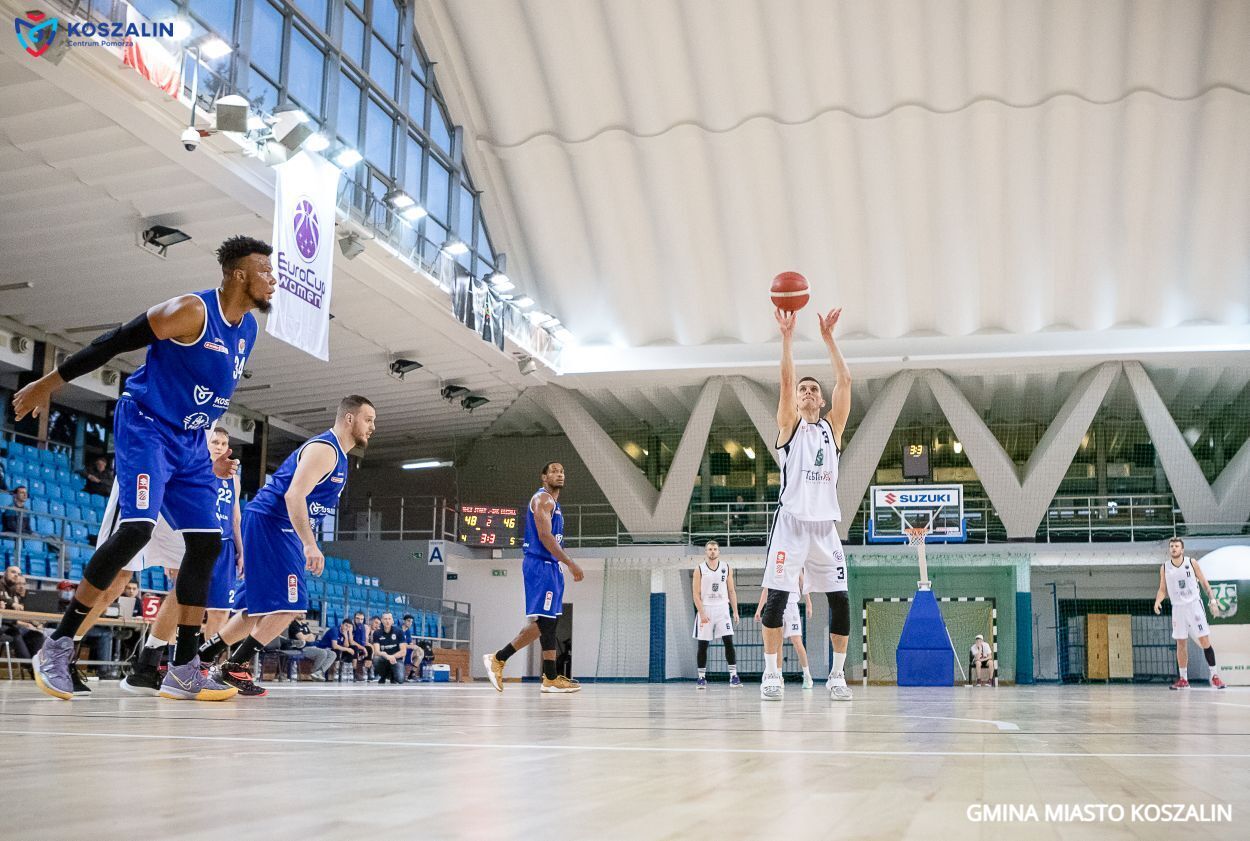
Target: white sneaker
{"points": [[838, 690], [808, 683], [771, 687]]}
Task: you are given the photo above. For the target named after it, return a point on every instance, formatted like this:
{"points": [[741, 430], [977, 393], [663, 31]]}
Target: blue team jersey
{"points": [[533, 547], [189, 386], [225, 507], [323, 499]]}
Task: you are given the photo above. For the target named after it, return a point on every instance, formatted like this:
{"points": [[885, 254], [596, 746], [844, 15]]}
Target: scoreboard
{"points": [[489, 525]]}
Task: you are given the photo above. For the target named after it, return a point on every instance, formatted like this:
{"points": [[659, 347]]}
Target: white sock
{"points": [[153, 642], [1215, 671], [733, 670], [839, 660], [806, 673], [702, 673], [77, 638], [770, 663]]}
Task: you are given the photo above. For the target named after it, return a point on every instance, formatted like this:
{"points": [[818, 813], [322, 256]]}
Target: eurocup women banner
{"points": [[303, 253]]}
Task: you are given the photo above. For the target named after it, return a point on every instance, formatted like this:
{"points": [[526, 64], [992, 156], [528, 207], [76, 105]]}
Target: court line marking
{"points": [[1001, 725], [618, 749]]}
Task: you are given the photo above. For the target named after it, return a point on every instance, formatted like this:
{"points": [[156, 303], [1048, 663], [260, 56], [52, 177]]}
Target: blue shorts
{"points": [[224, 571], [238, 596], [273, 566], [163, 470], [544, 587]]}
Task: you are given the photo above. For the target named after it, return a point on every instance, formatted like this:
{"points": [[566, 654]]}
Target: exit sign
{"points": [[499, 573]]}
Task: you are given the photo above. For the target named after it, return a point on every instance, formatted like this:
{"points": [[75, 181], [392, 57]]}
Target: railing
{"points": [[1068, 519], [59, 541], [452, 628]]}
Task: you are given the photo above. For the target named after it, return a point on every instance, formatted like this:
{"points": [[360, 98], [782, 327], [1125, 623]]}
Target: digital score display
{"points": [[489, 525]]}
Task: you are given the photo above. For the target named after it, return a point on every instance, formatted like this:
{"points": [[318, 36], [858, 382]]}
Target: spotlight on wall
{"points": [[425, 464], [230, 113], [351, 246], [526, 365], [473, 401], [399, 200], [399, 367], [451, 392], [19, 344], [454, 247], [347, 157], [159, 238], [292, 128]]}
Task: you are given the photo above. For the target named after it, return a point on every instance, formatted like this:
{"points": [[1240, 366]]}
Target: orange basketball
{"points": [[789, 291]]}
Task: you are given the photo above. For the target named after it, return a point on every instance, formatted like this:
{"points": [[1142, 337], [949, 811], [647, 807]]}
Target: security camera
{"points": [[190, 139]]}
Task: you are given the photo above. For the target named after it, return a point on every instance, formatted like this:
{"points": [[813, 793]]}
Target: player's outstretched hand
{"points": [[578, 575], [827, 323], [225, 467], [314, 561], [785, 320], [31, 400]]}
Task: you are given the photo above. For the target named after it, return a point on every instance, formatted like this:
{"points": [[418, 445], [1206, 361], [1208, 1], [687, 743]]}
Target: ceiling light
{"points": [[523, 303], [398, 199], [425, 464], [317, 143], [455, 247], [451, 392], [473, 401], [749, 452], [159, 238], [958, 447], [214, 48], [231, 113], [347, 158], [500, 282], [182, 28], [399, 367], [351, 246], [414, 213], [526, 365]]}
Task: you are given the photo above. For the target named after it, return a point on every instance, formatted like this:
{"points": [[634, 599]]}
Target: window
{"points": [[218, 14], [382, 64], [386, 21], [349, 109], [438, 190], [483, 242], [440, 132], [416, 101], [307, 72], [266, 50], [316, 11], [379, 128], [435, 236], [354, 38], [262, 93], [413, 152], [155, 10], [464, 226]]}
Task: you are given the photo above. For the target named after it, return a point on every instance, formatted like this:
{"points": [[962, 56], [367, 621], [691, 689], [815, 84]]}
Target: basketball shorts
{"points": [[808, 547], [1189, 620], [165, 549], [544, 587], [273, 566], [719, 622], [791, 621], [221, 586], [238, 596], [162, 471]]}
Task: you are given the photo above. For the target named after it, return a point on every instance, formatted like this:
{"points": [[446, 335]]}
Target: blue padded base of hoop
{"points": [[924, 656]]}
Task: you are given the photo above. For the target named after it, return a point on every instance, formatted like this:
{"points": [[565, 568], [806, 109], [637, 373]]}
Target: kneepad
{"points": [[547, 633], [113, 555], [774, 608], [203, 547], [839, 613]]}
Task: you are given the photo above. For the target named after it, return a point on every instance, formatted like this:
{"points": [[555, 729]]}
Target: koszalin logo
{"points": [[36, 34], [202, 395], [307, 229], [1225, 594]]}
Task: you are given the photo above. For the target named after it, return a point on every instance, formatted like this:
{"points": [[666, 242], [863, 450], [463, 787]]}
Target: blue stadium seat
{"points": [[62, 460], [92, 516], [7, 546], [73, 511], [56, 508], [98, 502], [46, 525], [63, 476], [53, 492], [38, 566], [75, 572], [82, 498], [34, 547], [38, 506], [37, 487], [6, 499], [77, 532], [48, 472]]}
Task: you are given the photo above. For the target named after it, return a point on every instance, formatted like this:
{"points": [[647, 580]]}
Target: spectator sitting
{"points": [[320, 657], [99, 477], [342, 643], [405, 628], [24, 637], [18, 521], [737, 519], [979, 659], [388, 651], [131, 591]]}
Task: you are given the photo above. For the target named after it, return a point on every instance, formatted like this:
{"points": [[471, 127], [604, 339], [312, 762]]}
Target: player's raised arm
{"points": [[179, 318], [317, 460], [787, 412], [542, 521], [840, 399]]}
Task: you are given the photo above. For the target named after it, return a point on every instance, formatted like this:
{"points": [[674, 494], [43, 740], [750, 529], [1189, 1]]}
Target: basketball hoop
{"points": [[915, 537]]}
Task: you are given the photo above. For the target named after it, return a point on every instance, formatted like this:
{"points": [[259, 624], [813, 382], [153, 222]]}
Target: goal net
{"points": [[965, 617]]}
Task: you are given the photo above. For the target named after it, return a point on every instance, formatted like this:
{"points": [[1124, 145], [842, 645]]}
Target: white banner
{"points": [[303, 253]]}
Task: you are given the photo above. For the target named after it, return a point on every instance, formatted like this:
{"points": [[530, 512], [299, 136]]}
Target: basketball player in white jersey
{"points": [[714, 598], [1179, 579], [804, 537], [793, 626]]}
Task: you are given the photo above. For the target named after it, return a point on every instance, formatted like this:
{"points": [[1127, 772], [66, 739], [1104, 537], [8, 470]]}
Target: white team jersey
{"points": [[715, 586], [809, 473], [1182, 583]]}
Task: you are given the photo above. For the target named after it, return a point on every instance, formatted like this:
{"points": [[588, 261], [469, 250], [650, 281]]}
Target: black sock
{"points": [[212, 649], [1209, 653], [150, 658], [72, 620], [549, 669], [246, 650], [186, 644], [504, 653]]}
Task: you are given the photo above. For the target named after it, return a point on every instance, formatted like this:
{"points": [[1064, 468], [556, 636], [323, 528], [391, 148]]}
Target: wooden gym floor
{"points": [[626, 761]]}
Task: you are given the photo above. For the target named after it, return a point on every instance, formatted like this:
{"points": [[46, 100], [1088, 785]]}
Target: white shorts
{"points": [[792, 622], [165, 549], [810, 547], [1189, 620], [719, 623]]}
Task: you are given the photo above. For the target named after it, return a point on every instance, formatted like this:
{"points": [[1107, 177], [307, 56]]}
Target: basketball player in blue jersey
{"points": [[544, 584], [280, 540], [804, 538], [197, 346]]}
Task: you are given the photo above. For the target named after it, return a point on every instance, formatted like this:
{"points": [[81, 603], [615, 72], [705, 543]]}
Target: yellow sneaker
{"points": [[494, 671], [561, 684]]}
